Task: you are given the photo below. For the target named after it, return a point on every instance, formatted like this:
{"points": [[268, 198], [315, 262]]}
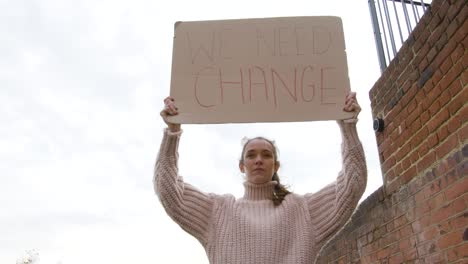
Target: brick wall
{"points": [[420, 213]]}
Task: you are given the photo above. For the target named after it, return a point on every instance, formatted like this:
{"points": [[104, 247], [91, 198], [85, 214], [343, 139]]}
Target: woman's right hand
{"points": [[170, 109]]}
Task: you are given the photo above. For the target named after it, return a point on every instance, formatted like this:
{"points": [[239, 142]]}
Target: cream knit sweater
{"points": [[251, 230]]}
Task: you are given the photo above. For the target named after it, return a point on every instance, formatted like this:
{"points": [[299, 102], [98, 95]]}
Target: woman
{"points": [[269, 224]]}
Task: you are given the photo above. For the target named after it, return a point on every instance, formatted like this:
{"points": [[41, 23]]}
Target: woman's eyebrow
{"points": [[263, 151]]}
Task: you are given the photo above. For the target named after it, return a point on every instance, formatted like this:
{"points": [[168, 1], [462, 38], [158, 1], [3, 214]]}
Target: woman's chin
{"points": [[258, 180]]}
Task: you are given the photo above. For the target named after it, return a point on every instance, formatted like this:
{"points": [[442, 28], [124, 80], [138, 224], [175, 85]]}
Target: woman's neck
{"points": [[257, 192]]}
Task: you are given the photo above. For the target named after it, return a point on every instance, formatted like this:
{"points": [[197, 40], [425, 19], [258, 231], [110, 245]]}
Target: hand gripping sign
{"points": [[259, 70]]}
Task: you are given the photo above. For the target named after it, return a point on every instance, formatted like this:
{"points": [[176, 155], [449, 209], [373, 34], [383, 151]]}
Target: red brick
{"points": [[440, 57], [385, 144], [389, 240], [445, 67], [414, 156], [451, 28], [452, 12], [420, 136], [404, 137], [463, 11], [442, 12], [432, 140], [383, 253], [421, 151], [429, 177], [421, 96], [428, 234], [451, 176], [444, 98], [390, 175], [465, 41], [442, 133], [435, 20], [438, 119], [457, 189], [394, 135], [432, 91], [458, 101], [463, 133], [433, 188], [451, 239], [447, 146], [396, 259], [434, 108], [454, 124], [435, 35], [441, 214], [412, 119], [424, 117], [458, 205], [390, 114], [437, 76], [422, 208], [421, 54], [457, 54], [406, 231], [410, 254], [457, 253], [464, 114], [447, 51], [406, 163], [412, 104], [452, 75], [404, 244], [400, 221], [437, 201], [426, 161], [408, 175], [389, 129], [391, 187], [465, 59], [389, 163], [429, 140], [411, 213], [437, 257], [420, 197], [443, 168], [459, 221], [425, 220], [387, 153], [426, 248], [444, 228]]}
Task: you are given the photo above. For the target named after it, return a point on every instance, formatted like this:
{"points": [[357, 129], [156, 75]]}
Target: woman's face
{"points": [[259, 161]]}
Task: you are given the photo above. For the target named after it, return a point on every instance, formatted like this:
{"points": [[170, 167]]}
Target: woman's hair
{"points": [[280, 191]]}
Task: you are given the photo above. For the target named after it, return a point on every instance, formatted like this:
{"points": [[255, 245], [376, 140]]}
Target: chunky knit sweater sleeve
{"points": [[331, 207], [187, 206]]}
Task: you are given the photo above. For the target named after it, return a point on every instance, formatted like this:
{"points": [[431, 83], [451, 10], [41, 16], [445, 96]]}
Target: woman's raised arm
{"points": [[331, 207], [186, 205]]}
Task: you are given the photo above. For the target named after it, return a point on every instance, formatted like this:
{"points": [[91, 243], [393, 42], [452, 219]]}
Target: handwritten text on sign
{"points": [[259, 70]]}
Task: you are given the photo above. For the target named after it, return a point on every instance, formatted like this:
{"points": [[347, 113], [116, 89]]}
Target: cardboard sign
{"points": [[259, 70]]}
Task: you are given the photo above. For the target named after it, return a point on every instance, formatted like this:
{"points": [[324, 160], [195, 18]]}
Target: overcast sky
{"points": [[81, 87]]}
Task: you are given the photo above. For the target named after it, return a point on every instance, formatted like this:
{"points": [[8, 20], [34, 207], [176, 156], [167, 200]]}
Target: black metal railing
{"points": [[393, 21]]}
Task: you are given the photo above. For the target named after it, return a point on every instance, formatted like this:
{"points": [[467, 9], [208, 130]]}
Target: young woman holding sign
{"points": [[268, 224]]}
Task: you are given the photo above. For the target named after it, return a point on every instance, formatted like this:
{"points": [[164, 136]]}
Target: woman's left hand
{"points": [[352, 105]]}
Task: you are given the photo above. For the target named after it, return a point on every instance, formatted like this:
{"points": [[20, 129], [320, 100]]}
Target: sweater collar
{"points": [[258, 192]]}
